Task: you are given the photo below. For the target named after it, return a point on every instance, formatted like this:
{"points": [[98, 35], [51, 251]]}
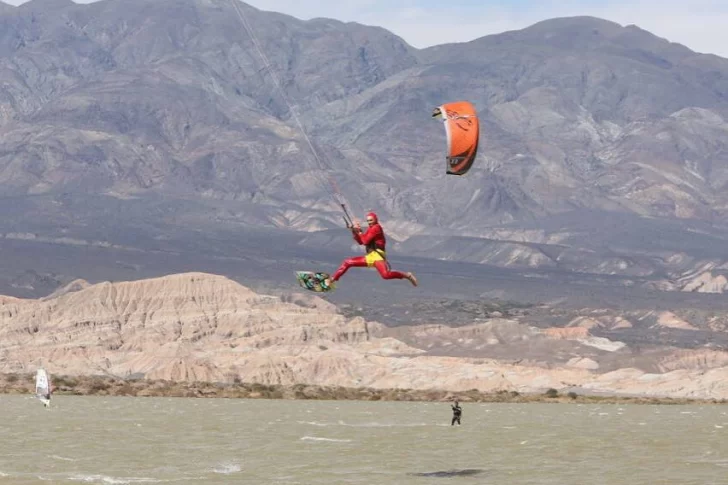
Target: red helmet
{"points": [[373, 216]]}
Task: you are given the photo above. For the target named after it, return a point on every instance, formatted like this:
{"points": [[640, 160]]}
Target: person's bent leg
{"points": [[386, 273], [356, 261]]}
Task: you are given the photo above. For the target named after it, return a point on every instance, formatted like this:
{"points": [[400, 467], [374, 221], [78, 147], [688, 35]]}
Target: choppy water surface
{"points": [[166, 440]]}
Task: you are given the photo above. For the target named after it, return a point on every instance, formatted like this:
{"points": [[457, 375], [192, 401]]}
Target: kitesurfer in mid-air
{"points": [[374, 241]]}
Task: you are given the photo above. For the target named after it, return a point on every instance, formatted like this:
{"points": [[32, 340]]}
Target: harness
{"points": [[373, 249]]}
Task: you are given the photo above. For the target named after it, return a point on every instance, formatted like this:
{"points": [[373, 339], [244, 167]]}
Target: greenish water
{"points": [[169, 440]]}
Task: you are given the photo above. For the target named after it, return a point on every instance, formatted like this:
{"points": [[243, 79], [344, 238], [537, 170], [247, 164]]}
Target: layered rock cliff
{"points": [[204, 327]]}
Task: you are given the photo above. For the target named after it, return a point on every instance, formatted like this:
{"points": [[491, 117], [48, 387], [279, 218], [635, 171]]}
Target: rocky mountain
{"points": [[203, 327], [134, 129]]}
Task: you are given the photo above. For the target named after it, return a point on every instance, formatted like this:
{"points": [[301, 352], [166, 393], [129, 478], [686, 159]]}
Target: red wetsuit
{"points": [[373, 239]]}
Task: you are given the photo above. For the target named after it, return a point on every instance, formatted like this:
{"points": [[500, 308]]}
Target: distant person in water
{"points": [[457, 411]]}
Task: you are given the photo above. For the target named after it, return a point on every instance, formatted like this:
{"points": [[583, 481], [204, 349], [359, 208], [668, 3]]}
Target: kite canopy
{"points": [[463, 131]]}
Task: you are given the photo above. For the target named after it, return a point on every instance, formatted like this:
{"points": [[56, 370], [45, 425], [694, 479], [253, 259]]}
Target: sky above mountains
{"points": [[698, 24]]}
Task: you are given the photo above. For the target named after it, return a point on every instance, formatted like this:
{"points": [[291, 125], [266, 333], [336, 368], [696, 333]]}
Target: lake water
{"points": [[116, 440]]}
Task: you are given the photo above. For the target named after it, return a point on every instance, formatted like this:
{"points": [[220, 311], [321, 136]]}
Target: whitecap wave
{"points": [[316, 438], [370, 425], [61, 458], [227, 468], [112, 480]]}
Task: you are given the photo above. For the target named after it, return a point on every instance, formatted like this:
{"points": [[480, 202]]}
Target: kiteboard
{"points": [[314, 281]]}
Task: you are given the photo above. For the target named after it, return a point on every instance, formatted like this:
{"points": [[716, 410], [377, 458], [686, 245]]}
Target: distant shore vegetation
{"points": [[101, 385]]}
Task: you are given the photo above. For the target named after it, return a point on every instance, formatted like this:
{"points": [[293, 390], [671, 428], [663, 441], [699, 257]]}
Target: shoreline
{"points": [[113, 386]]}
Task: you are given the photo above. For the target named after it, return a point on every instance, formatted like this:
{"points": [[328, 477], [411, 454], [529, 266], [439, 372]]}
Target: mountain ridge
{"points": [[146, 126]]}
